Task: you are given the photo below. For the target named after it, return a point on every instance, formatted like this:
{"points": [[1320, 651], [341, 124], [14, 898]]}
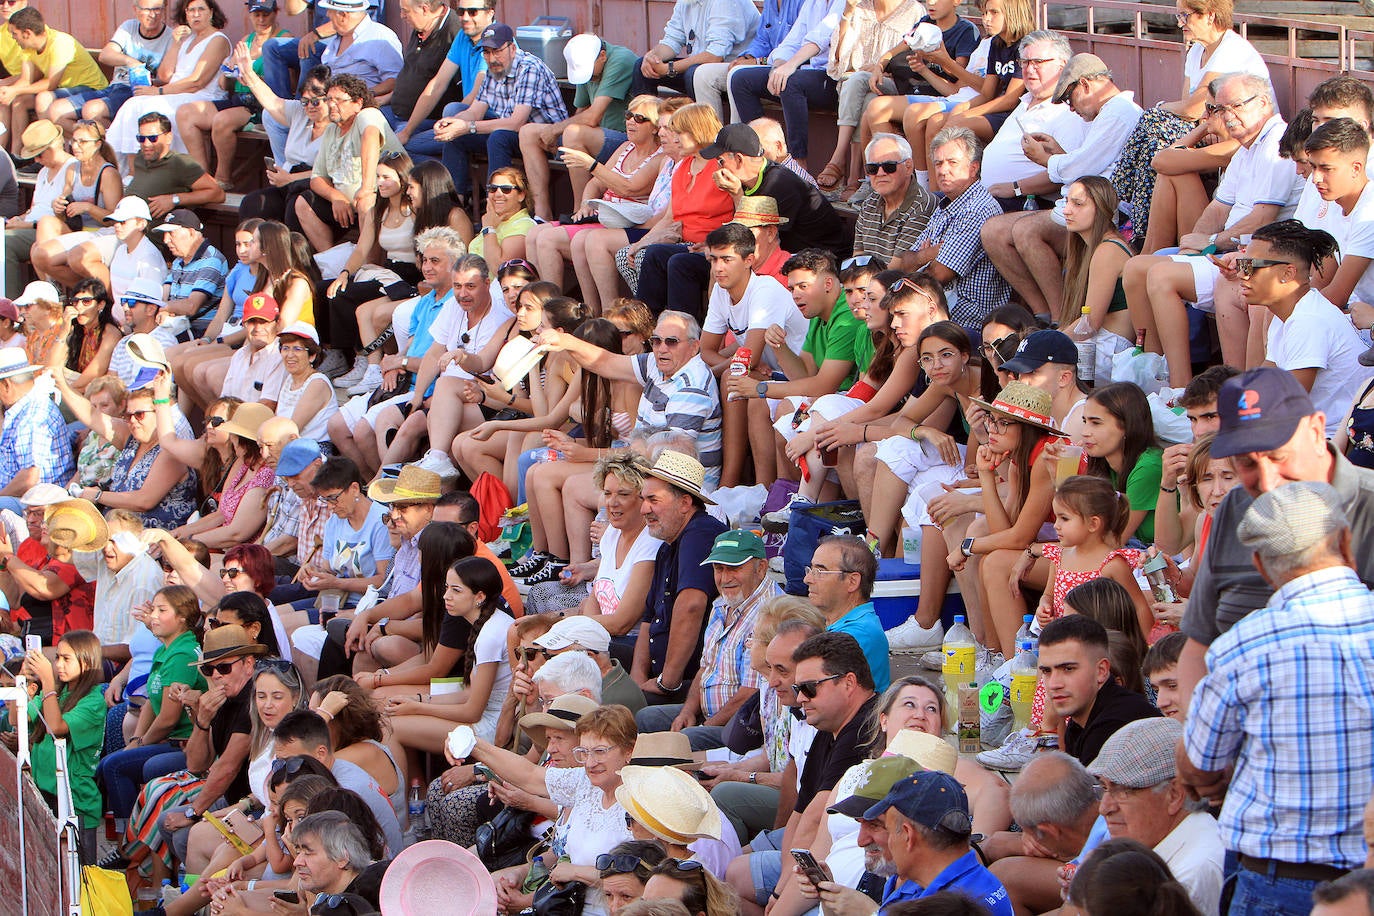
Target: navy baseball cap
{"points": [[1040, 348], [296, 456], [1260, 410], [930, 798], [496, 35]]}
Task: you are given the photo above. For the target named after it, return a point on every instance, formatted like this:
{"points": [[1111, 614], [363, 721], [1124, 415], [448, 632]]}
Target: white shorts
{"points": [[1205, 276], [355, 408], [105, 237], [906, 457], [827, 407]]}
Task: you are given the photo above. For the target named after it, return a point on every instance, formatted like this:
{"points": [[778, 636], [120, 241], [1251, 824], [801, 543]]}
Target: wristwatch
{"points": [[381, 625], [190, 814], [754, 778], [1016, 188], [472, 127], [176, 200], [763, 389], [966, 548]]}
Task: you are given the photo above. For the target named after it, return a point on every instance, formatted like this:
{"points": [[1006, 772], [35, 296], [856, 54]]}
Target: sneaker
{"points": [[1014, 753], [864, 191], [1367, 357], [437, 462], [370, 381], [334, 364], [912, 637], [934, 660], [775, 565], [777, 521], [531, 564], [114, 860], [500, 548], [988, 661], [353, 375], [549, 572]]}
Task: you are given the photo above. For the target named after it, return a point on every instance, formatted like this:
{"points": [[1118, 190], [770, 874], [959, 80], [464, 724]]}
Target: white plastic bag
{"points": [[1142, 369], [1171, 427], [741, 504]]}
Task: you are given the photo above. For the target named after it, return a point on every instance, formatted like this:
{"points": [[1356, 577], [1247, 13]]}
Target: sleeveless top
{"points": [[398, 243], [1119, 293], [289, 397], [88, 193], [619, 168], [399, 803], [130, 474], [1360, 429]]}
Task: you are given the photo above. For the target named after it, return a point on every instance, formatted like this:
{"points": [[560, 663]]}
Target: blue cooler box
{"points": [[898, 587]]}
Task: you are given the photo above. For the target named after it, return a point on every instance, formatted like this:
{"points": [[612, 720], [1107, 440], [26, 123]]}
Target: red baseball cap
{"points": [[260, 306]]}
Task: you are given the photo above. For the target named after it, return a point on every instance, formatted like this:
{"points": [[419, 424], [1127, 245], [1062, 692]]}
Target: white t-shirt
{"points": [[799, 744], [143, 261], [590, 829], [1233, 55], [978, 66], [1004, 161], [846, 856], [46, 190], [1194, 853], [611, 580], [452, 323], [132, 43], [1258, 175], [491, 647], [1319, 336], [1353, 231], [765, 302]]}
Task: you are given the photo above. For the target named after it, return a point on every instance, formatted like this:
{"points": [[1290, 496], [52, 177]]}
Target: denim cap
{"points": [[931, 799], [1259, 411]]}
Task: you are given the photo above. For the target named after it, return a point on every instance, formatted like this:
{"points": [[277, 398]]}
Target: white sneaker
{"points": [[334, 364], [910, 636], [353, 375], [370, 381], [988, 661], [934, 660], [777, 521], [437, 462], [1014, 753]]}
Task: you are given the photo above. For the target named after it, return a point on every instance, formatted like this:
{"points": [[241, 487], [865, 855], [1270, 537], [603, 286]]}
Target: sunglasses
{"points": [[216, 422], [212, 623], [292, 765], [127, 301], [859, 260], [147, 138], [230, 572], [637, 118], [223, 668], [82, 300], [470, 10], [657, 341], [503, 188], [516, 262], [137, 415], [311, 101], [528, 653], [889, 167], [1246, 267], [809, 689], [622, 864], [683, 865]]}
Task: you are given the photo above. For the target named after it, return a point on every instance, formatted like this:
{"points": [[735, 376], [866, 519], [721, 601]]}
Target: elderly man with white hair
{"points": [[893, 217], [578, 637]]}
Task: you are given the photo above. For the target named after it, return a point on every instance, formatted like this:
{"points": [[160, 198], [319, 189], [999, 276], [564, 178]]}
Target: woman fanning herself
{"points": [[65, 702], [1018, 429], [473, 594], [1096, 253]]}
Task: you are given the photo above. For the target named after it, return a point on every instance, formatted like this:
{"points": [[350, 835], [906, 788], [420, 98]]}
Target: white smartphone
{"points": [[33, 643]]}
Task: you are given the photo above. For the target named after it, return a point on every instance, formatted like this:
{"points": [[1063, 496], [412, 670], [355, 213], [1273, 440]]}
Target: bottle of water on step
{"points": [[1025, 632], [961, 660], [169, 892], [419, 827], [1024, 670], [1083, 335]]}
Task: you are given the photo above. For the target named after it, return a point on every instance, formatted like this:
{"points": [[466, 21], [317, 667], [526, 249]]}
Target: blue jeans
{"points": [[501, 147], [673, 278], [806, 89], [660, 719], [427, 147], [1267, 895], [642, 85], [124, 773], [279, 57]]}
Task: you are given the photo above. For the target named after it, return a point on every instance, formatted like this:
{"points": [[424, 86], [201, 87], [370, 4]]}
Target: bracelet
{"points": [[252, 883], [196, 723], [1032, 554], [1164, 489], [159, 90], [484, 397], [49, 693], [512, 398], [158, 402]]}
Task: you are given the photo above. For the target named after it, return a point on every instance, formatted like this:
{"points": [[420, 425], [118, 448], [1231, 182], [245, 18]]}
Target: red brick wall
{"points": [[40, 843]]}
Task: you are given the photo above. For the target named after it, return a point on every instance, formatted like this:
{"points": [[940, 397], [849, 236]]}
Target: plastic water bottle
{"points": [[419, 827], [1082, 334], [169, 891], [961, 660], [1024, 670], [1025, 632], [545, 455], [596, 545]]}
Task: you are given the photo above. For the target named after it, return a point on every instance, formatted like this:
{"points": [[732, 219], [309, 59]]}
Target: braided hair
{"points": [[1291, 239], [480, 576]]}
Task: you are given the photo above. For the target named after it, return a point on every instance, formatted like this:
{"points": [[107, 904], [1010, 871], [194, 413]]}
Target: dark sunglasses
{"points": [[211, 623], [503, 188], [391, 155], [82, 300], [665, 341], [1246, 267], [230, 572], [637, 118], [622, 864], [223, 668], [859, 260], [682, 865], [137, 415], [310, 101], [216, 422], [809, 689], [470, 10], [889, 167], [277, 666], [147, 138], [528, 653], [292, 765]]}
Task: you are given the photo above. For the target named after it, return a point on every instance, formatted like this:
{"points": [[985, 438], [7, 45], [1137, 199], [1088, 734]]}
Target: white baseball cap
{"points": [[581, 53]]}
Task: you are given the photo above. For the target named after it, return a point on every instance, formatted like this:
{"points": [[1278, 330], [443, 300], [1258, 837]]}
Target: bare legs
{"points": [[1026, 249], [1156, 289]]}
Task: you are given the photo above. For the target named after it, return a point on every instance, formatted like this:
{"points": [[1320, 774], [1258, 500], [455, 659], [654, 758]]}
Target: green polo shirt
{"points": [[175, 663], [835, 338], [86, 725], [614, 83]]}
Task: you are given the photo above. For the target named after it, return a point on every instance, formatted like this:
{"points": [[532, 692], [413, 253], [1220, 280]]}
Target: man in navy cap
{"points": [[1048, 360], [924, 824], [1273, 435]]}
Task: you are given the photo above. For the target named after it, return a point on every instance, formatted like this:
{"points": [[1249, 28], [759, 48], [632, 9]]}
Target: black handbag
{"points": [[505, 840], [559, 899]]}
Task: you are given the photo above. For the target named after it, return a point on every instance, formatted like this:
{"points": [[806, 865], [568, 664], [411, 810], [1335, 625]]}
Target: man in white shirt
{"points": [[746, 304], [1259, 187], [116, 260], [1025, 245]]}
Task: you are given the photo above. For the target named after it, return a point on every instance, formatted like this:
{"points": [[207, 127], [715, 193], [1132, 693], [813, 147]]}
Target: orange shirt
{"points": [[697, 203]]}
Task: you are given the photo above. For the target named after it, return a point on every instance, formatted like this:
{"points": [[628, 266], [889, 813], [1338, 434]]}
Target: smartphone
{"points": [[287, 896], [481, 769], [33, 644], [702, 775], [269, 163], [814, 871]]}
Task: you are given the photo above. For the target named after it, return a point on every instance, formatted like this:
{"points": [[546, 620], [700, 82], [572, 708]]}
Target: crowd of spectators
{"points": [[475, 525]]}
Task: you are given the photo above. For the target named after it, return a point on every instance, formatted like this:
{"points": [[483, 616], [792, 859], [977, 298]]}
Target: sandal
{"points": [[849, 190], [225, 186], [830, 177]]}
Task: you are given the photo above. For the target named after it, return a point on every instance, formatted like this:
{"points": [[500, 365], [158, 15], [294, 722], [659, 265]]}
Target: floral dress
{"points": [[130, 474]]}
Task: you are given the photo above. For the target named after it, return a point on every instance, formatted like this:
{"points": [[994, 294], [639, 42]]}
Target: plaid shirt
{"points": [[34, 435], [284, 508], [955, 225], [528, 82], [725, 668], [313, 517], [1289, 700]]}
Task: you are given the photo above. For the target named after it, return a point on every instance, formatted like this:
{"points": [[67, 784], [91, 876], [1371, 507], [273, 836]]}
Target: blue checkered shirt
{"points": [[34, 435], [956, 225], [1289, 700], [529, 81]]}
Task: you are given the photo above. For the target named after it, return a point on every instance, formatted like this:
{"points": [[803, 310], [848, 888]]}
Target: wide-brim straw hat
{"points": [[413, 484], [38, 136], [931, 751], [683, 472], [76, 524], [1025, 403], [561, 714], [248, 419], [432, 871], [669, 803], [516, 360], [228, 642], [662, 749]]}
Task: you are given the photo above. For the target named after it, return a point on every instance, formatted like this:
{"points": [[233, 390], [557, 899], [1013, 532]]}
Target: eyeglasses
{"points": [[583, 754], [822, 571], [809, 689], [85, 140], [230, 572], [908, 283], [1117, 791], [216, 422], [1233, 108], [470, 10], [83, 300], [859, 260], [992, 351], [492, 52], [503, 188], [1181, 18], [142, 138], [136, 415], [331, 500], [224, 669], [331, 100], [391, 155], [1246, 267], [621, 864], [1001, 424], [293, 348], [948, 356], [627, 333], [1035, 61], [311, 101], [657, 341], [888, 167]]}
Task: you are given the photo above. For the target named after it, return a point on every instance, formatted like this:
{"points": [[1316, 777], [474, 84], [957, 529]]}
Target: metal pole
{"points": [[68, 832], [19, 696]]}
